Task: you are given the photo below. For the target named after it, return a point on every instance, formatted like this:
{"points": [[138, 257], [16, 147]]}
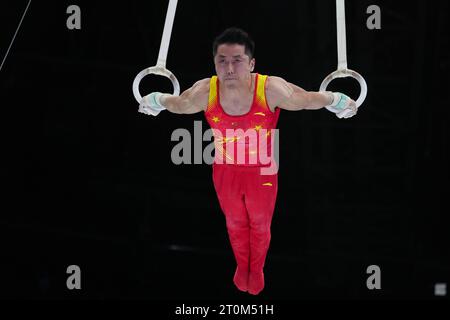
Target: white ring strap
{"points": [[165, 41], [160, 67], [342, 70], [341, 35]]}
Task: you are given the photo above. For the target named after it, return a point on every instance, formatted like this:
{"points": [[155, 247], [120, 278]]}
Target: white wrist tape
{"points": [[156, 103], [339, 101]]}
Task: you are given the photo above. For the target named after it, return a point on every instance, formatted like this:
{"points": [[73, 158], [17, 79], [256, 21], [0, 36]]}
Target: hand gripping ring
{"points": [[159, 70], [344, 73]]}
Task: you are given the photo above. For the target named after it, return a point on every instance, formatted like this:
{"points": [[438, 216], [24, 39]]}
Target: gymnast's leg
{"points": [[229, 192]]}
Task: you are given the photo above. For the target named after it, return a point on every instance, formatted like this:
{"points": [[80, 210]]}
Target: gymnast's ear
{"points": [[252, 64]]}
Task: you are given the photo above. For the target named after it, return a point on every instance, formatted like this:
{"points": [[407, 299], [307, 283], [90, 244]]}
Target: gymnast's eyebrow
{"points": [[237, 56]]}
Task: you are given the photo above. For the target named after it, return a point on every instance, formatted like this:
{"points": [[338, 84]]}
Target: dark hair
{"points": [[235, 36]]}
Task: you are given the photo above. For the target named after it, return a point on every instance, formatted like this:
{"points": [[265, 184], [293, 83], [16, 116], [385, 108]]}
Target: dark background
{"points": [[87, 180]]}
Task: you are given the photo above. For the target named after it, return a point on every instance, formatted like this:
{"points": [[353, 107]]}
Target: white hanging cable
{"points": [[15, 34]]}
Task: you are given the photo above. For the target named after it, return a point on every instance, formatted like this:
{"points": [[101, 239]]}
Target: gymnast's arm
{"points": [[288, 96], [193, 100]]}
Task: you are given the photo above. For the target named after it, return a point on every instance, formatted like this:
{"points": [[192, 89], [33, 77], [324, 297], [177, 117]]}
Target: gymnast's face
{"points": [[233, 65]]}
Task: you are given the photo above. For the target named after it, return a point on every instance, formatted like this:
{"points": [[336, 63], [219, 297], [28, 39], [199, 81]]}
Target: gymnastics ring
{"points": [[342, 70], [344, 73], [159, 70], [160, 67]]}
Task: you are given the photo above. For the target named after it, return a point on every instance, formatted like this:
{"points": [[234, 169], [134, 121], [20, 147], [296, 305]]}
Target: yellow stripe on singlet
{"points": [[261, 94], [212, 100]]}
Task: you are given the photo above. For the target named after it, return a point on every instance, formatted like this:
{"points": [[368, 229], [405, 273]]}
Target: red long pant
{"points": [[247, 199]]}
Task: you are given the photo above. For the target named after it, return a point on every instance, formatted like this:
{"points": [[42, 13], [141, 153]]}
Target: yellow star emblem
{"points": [[258, 127], [215, 119]]}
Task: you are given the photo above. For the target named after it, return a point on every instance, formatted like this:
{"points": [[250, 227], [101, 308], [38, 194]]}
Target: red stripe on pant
{"points": [[247, 199]]}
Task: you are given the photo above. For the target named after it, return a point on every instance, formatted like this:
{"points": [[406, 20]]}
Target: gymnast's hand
{"points": [[342, 106], [151, 104]]}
